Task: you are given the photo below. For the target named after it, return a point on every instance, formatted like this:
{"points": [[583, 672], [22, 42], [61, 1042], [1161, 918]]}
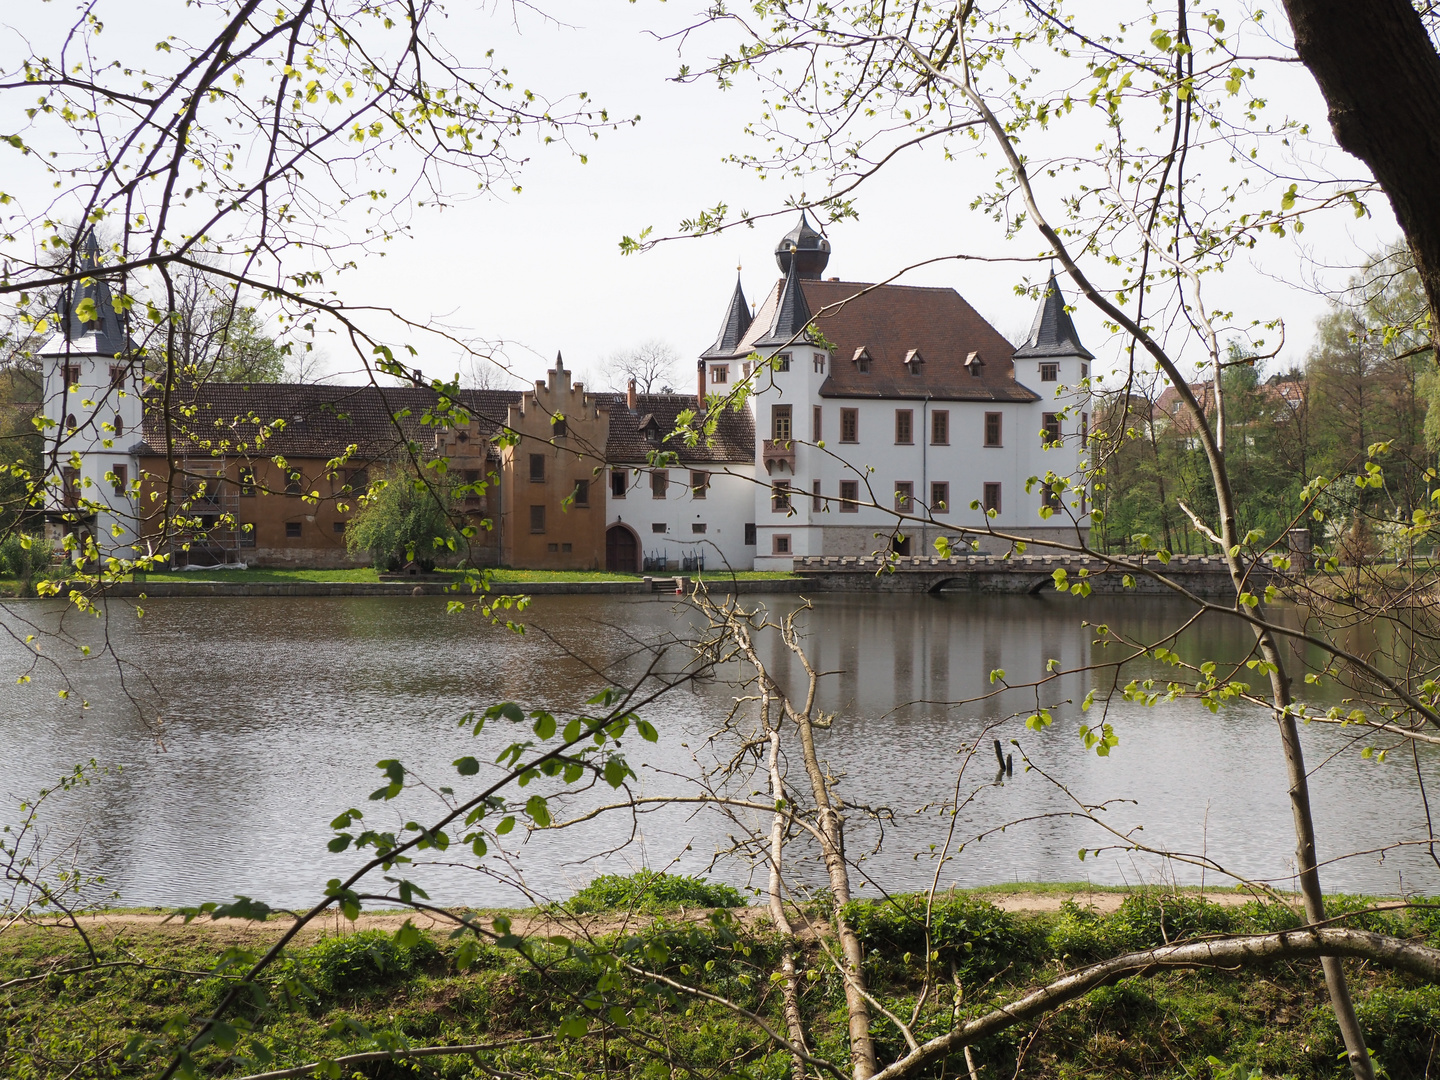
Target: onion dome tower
{"points": [[806, 248]]}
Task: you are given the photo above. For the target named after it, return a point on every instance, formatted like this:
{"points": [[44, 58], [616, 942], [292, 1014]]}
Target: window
{"points": [[817, 502], [471, 479], [699, 484], [292, 530], [849, 496], [819, 361], [939, 497], [247, 480], [338, 526], [697, 527], [780, 429], [657, 526], [940, 428], [537, 519], [816, 430], [780, 545], [720, 373], [992, 429], [904, 427], [1084, 371], [553, 548], [247, 534], [750, 533], [991, 501], [782, 362], [1051, 428], [904, 496], [1049, 497], [70, 477], [582, 492], [359, 481], [746, 368], [119, 426], [117, 376], [862, 363], [537, 468], [619, 481], [849, 425], [659, 483], [293, 482], [780, 497], [1049, 372], [71, 373], [558, 429], [122, 477], [70, 422], [566, 549]]}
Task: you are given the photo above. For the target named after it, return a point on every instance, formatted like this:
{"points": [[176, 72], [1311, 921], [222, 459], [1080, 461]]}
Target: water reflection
{"points": [[274, 711]]}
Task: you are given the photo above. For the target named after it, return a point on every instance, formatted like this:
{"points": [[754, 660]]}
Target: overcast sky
{"points": [[541, 271]]}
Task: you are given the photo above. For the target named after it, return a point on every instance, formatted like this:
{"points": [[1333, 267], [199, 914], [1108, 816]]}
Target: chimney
{"points": [[630, 395], [700, 387]]}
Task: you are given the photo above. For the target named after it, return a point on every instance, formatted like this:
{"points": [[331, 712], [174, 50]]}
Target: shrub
{"points": [[976, 936], [1144, 921], [17, 561], [366, 961], [648, 890], [401, 520]]}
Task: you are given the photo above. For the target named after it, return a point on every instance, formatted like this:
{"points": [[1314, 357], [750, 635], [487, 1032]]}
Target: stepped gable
{"points": [[890, 322], [733, 442], [319, 420], [1053, 331]]}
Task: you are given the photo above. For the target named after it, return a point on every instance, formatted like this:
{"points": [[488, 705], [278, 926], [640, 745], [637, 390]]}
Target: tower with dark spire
{"points": [[732, 328], [804, 249], [1052, 334], [792, 311], [92, 399]]}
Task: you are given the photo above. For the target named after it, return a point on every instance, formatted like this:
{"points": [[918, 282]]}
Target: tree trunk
{"points": [[789, 988], [1381, 79]]}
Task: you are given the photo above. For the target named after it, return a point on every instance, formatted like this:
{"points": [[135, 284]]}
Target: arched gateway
{"points": [[621, 550]]}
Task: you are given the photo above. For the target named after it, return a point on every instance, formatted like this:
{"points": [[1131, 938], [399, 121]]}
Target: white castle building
{"points": [[911, 402]]}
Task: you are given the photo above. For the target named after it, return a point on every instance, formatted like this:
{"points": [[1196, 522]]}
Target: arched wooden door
{"points": [[621, 550]]}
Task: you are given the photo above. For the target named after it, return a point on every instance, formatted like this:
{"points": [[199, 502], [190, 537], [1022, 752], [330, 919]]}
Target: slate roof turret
{"points": [[803, 248], [792, 313], [732, 330], [103, 335], [1053, 332]]}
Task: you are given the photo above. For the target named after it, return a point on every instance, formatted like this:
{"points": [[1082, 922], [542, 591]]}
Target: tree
{"points": [[401, 520], [651, 364]]}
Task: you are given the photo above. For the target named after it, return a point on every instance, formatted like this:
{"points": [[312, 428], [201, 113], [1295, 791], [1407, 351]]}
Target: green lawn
{"points": [[368, 574]]}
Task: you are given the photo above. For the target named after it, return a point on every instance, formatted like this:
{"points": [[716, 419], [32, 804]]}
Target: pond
{"points": [[242, 726]]}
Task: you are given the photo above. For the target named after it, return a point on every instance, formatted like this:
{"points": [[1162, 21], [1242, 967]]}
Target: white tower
{"points": [[93, 380]]}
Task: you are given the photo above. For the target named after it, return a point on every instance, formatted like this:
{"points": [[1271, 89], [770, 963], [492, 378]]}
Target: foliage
{"points": [[974, 936], [402, 519], [651, 890], [368, 960]]}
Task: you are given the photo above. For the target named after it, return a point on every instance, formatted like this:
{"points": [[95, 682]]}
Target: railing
{"points": [[777, 452]]}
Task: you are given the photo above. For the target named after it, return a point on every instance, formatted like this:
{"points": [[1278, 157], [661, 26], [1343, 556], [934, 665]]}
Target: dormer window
{"points": [[650, 428], [913, 361], [974, 364], [861, 359]]}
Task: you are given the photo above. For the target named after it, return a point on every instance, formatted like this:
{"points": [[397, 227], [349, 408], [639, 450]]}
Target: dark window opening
{"points": [[817, 501], [659, 483], [119, 426], [904, 496], [904, 427], [939, 497], [699, 484], [122, 477], [849, 496], [991, 501], [657, 526], [698, 527], [1049, 372], [294, 481], [940, 428], [292, 529], [780, 429], [619, 480], [750, 533], [582, 492], [849, 425], [558, 428], [537, 519], [247, 480], [780, 497], [1051, 424], [537, 468], [782, 362], [992, 429]]}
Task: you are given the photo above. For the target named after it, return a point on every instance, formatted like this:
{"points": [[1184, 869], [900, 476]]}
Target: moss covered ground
{"points": [[338, 993]]}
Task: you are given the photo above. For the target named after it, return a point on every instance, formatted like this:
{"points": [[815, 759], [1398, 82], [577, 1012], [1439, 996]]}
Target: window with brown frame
{"points": [[117, 376], [119, 426], [993, 429], [537, 468], [659, 483], [780, 426], [904, 496], [720, 373], [1049, 372], [699, 484], [122, 477], [1050, 422], [71, 374], [780, 544], [816, 429], [940, 427], [904, 427], [819, 362], [849, 496], [817, 501], [782, 362], [849, 425], [619, 483], [582, 493], [991, 499], [939, 497], [780, 497]]}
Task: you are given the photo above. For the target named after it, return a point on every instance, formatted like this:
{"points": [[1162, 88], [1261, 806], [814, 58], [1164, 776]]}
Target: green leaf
{"points": [[538, 810], [466, 766]]}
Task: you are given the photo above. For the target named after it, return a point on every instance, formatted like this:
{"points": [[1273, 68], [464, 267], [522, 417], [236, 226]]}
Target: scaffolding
{"points": [[211, 535]]}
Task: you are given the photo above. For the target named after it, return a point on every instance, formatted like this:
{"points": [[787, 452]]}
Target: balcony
{"points": [[779, 452]]}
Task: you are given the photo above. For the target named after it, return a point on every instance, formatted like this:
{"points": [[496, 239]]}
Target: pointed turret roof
{"points": [[100, 332], [1053, 332], [792, 313], [732, 330]]}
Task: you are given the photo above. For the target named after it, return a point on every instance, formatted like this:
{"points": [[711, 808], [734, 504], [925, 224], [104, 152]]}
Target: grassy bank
{"points": [[341, 986], [368, 574]]}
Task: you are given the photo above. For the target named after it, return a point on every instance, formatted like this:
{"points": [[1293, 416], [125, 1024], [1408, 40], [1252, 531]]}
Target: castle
{"points": [[866, 400]]}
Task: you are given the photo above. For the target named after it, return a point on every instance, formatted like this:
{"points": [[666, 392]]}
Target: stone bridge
{"points": [[1204, 575]]}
